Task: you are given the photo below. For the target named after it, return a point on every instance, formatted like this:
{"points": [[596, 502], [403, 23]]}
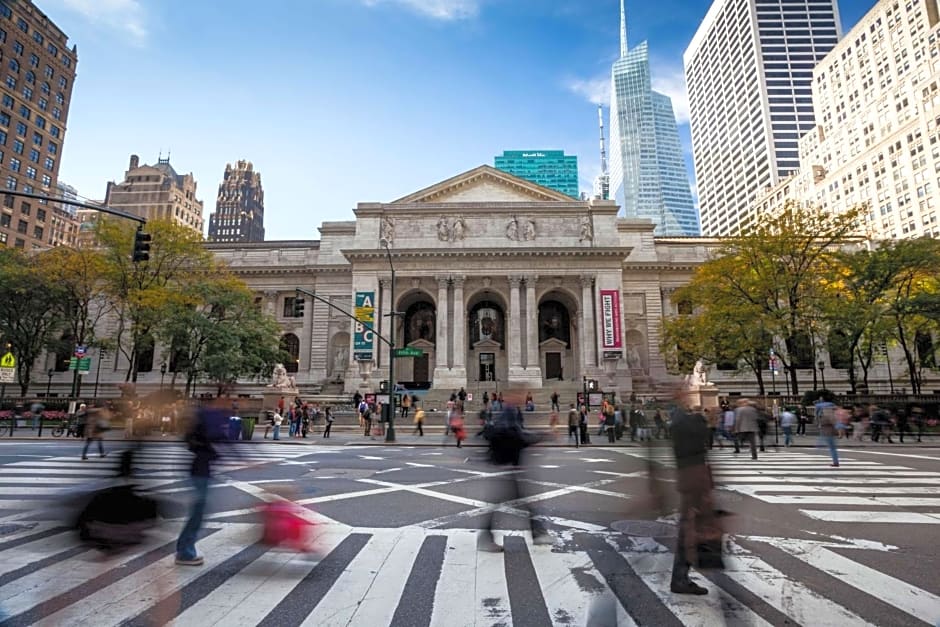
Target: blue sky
{"points": [[344, 101]]}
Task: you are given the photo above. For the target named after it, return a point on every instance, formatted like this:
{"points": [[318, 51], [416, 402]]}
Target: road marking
{"points": [[895, 454], [832, 471], [455, 598], [570, 584], [900, 594], [492, 592], [772, 480], [387, 470], [853, 516], [834, 489], [360, 579], [899, 501], [371, 457], [596, 460], [791, 598], [549, 466], [37, 550]]}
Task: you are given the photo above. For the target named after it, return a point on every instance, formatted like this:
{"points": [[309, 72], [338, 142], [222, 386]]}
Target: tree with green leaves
{"points": [[29, 315], [145, 293], [769, 281]]}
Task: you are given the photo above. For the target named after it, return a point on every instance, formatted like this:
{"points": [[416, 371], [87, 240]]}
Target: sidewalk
{"points": [[351, 435]]}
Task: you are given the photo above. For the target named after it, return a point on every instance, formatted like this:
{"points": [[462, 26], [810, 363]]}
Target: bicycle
{"points": [[64, 427]]}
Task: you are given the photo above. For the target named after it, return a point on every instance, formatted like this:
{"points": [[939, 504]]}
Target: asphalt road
{"points": [[396, 534]]}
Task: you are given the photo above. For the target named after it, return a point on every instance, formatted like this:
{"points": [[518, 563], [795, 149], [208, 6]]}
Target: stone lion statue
{"points": [[279, 378]]}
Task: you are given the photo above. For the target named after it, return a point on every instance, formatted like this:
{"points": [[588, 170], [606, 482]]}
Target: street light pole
{"points": [[822, 372], [49, 374], [101, 353], [390, 432], [162, 374], [884, 347], [773, 370]]}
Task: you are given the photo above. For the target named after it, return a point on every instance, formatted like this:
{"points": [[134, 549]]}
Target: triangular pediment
{"points": [[485, 184]]}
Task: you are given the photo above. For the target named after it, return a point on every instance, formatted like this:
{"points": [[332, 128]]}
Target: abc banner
{"points": [[610, 320], [364, 338]]}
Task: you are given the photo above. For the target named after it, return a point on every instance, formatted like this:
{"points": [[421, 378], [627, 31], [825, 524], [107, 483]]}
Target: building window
{"points": [[43, 103], [11, 82], [53, 50], [26, 208], [18, 47], [22, 226], [40, 121], [34, 155], [37, 232], [57, 113], [44, 88], [3, 238], [14, 65], [67, 62], [49, 163], [21, 129], [15, 165], [25, 112], [41, 215], [33, 61], [62, 82], [37, 139], [17, 146], [31, 173], [5, 119], [52, 148], [49, 71], [22, 25], [30, 77], [46, 180], [290, 344], [5, 220], [28, 93], [11, 183], [54, 131], [59, 98], [8, 101], [19, 243]]}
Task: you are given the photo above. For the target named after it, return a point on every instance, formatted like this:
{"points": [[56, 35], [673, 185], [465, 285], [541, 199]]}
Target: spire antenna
{"points": [[600, 122], [623, 29]]}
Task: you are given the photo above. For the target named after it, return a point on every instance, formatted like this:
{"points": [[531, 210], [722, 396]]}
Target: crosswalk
{"points": [[34, 480], [412, 577], [858, 491]]}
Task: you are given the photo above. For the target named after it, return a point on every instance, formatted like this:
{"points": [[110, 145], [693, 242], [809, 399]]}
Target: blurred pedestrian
{"points": [[745, 425], [96, 425], [419, 421], [902, 424], [574, 421], [199, 439], [81, 420], [583, 418], [698, 541], [607, 411], [827, 430], [920, 421], [328, 413], [507, 441], [801, 421], [405, 405], [880, 424], [787, 420], [555, 405], [276, 420]]}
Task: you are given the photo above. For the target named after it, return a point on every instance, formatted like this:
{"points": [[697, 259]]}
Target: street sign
{"points": [[84, 365], [408, 351], [7, 375], [8, 361], [80, 351]]}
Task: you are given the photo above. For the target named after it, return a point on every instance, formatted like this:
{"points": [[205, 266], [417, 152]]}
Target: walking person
{"points": [[902, 424], [199, 440], [405, 405], [745, 425], [583, 425], [607, 411], [574, 421], [276, 420], [801, 421], [269, 425], [96, 424], [787, 420], [328, 412], [920, 421], [827, 431], [419, 421], [555, 406]]}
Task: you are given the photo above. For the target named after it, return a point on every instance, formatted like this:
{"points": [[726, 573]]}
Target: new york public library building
{"points": [[499, 284]]}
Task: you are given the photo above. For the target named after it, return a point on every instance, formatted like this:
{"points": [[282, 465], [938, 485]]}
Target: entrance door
{"points": [[422, 368], [553, 365], [487, 366]]}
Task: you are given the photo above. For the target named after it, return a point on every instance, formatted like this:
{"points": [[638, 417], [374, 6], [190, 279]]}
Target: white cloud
{"points": [[446, 10], [670, 81], [594, 90], [125, 16]]}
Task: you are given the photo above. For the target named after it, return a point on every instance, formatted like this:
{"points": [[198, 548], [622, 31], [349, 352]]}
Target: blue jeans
{"points": [[292, 429], [830, 441], [277, 432], [787, 435], [186, 544]]}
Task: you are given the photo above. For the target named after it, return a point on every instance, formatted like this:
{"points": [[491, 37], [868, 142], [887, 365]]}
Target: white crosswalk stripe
{"points": [[24, 484], [367, 583], [807, 480]]}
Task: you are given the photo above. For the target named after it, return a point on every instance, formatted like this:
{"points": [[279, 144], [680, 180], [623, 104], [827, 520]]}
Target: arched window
{"points": [[145, 354], [63, 352], [554, 322], [30, 77], [290, 344], [420, 322]]}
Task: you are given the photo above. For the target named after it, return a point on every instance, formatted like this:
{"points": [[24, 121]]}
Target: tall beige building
{"points": [[157, 192], [877, 135], [35, 92]]}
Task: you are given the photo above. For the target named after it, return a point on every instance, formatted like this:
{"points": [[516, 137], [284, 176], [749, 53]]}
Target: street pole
{"points": [[822, 372], [49, 381], [390, 431], [101, 354], [884, 347], [3, 395], [773, 370]]}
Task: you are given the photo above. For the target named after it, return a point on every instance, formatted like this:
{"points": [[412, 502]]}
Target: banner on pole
{"points": [[610, 319], [364, 337]]}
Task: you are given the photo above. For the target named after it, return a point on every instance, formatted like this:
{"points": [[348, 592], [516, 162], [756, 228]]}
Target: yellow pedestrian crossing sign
{"points": [[8, 361]]}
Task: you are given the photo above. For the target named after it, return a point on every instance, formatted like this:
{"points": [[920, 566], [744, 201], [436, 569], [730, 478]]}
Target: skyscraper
{"points": [[157, 192], [548, 168], [239, 207], [749, 71], [647, 172], [36, 95]]}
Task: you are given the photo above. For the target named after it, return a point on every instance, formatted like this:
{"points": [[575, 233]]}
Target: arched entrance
{"points": [[556, 348], [419, 331], [487, 337]]}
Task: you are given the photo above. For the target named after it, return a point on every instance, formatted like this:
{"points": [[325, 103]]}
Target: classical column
{"points": [[383, 321], [515, 330], [587, 336], [460, 326], [531, 324], [440, 350]]}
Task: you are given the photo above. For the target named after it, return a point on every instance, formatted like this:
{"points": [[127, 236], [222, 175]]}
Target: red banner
{"points": [[610, 319]]}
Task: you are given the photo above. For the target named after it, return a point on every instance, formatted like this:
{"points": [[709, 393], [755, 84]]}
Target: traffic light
{"points": [[383, 386], [592, 385], [141, 246], [299, 307]]}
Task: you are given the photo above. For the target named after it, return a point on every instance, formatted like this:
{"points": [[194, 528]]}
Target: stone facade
{"points": [[239, 206], [157, 192]]}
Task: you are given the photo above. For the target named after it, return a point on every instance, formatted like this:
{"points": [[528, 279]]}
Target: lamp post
{"points": [[49, 374], [390, 432], [822, 372], [162, 373], [884, 349], [101, 355], [773, 370]]}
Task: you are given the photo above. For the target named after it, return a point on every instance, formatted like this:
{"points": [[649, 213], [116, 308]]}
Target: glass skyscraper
{"points": [[648, 176], [548, 168]]}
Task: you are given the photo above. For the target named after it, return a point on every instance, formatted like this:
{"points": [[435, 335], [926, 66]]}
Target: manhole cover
{"points": [[644, 528]]}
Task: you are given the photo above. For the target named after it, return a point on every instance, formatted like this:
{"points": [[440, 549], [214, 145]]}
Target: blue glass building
{"points": [[548, 168], [648, 176]]}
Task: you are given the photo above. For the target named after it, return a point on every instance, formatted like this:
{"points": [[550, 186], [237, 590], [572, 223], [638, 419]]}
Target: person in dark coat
{"points": [[699, 535]]}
